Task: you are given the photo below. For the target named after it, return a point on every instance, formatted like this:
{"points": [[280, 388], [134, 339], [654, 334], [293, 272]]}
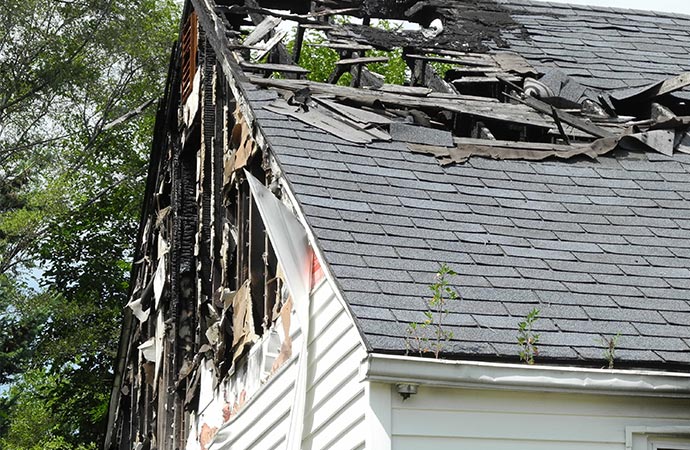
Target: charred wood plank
{"points": [[319, 119], [282, 56], [345, 46], [261, 30], [271, 44], [356, 114], [488, 63], [361, 60], [417, 91], [270, 67], [506, 112], [568, 118]]}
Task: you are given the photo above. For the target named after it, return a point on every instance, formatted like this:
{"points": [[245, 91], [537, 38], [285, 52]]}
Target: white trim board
{"points": [[653, 438]]}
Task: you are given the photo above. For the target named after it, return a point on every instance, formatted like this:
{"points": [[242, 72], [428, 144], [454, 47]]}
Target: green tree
{"points": [[76, 78], [68, 71], [32, 421], [320, 60]]}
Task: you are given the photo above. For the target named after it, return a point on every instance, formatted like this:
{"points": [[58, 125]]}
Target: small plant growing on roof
{"points": [[610, 348], [527, 339], [431, 336]]}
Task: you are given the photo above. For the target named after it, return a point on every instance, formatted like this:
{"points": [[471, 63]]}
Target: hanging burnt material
{"points": [[469, 25]]}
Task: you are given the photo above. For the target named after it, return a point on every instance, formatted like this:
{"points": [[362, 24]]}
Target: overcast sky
{"points": [[672, 6]]}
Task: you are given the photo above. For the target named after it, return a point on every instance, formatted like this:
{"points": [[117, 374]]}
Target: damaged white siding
{"points": [[264, 421], [335, 402], [445, 419]]}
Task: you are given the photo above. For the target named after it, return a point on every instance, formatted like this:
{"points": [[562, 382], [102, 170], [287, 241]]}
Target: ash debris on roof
{"points": [[584, 215]]}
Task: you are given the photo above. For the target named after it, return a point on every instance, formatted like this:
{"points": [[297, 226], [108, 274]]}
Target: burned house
{"points": [[292, 228]]}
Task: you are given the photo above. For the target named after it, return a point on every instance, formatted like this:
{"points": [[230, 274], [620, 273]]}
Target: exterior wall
{"points": [[335, 401], [251, 406], [444, 419], [263, 421]]}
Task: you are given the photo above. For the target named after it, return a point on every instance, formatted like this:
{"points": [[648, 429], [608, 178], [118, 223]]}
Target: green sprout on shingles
{"points": [[430, 335], [527, 339], [610, 348]]}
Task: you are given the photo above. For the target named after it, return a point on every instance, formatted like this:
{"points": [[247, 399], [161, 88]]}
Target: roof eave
{"points": [[396, 369]]}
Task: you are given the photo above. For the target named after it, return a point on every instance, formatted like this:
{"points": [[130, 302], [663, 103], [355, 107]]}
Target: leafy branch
{"points": [[527, 339], [431, 336]]}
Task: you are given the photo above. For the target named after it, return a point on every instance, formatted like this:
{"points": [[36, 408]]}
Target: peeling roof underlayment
{"points": [[599, 244]]}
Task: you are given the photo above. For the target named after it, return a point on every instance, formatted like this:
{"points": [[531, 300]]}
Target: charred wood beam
{"points": [[301, 18], [545, 108], [506, 112], [559, 125], [568, 118], [337, 73], [280, 53], [242, 205], [257, 248], [270, 284], [363, 77], [299, 39], [424, 74]]}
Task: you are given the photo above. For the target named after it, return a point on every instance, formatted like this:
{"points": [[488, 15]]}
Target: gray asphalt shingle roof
{"points": [[602, 48], [600, 247]]}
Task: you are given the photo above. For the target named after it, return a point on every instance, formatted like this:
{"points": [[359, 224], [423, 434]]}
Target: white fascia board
{"points": [[484, 375]]}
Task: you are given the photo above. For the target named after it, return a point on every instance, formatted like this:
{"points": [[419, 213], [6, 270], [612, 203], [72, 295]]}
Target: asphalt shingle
{"points": [[600, 247]]}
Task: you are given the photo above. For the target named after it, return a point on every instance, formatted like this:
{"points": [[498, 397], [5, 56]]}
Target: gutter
{"points": [[396, 369]]}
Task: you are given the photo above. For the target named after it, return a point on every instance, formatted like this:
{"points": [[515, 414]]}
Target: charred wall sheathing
{"points": [[208, 125], [222, 99], [182, 273]]}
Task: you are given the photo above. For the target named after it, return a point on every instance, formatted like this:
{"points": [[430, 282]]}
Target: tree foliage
{"points": [[320, 60], [70, 191], [67, 70]]}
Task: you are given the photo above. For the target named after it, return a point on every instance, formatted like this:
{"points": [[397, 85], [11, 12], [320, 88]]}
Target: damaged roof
{"points": [[585, 216], [599, 47], [601, 247]]}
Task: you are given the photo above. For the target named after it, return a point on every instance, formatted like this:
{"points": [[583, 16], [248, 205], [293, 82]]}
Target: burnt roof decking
{"points": [[600, 247]]}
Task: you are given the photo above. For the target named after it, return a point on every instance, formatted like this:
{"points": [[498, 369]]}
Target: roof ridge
{"points": [[615, 9]]}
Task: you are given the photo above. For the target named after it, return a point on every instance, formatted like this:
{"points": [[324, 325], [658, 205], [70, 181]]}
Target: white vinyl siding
{"points": [[263, 423], [335, 397], [335, 402], [445, 419]]}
